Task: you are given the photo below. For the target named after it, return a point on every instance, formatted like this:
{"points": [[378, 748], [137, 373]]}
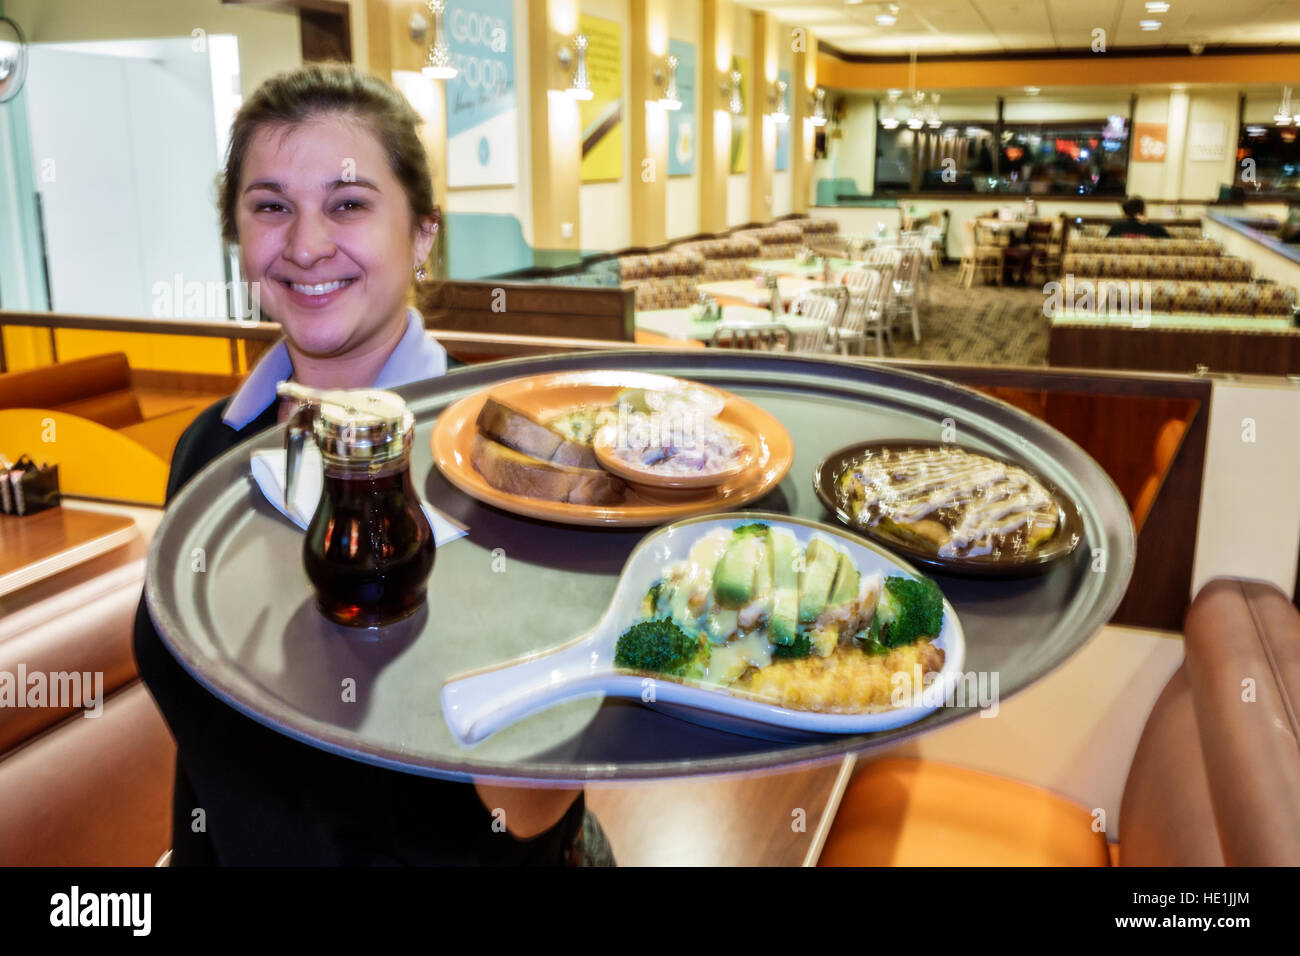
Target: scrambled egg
{"points": [[849, 681]]}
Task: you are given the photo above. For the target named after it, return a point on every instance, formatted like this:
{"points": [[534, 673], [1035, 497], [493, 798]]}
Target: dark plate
{"points": [[1069, 527]]}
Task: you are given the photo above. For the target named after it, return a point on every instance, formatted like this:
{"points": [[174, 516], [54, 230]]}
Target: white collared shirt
{"points": [[417, 356]]}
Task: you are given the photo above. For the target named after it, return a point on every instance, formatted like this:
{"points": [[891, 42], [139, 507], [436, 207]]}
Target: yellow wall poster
{"points": [[740, 123], [602, 115]]}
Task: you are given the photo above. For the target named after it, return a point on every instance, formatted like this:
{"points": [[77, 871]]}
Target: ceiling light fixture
{"points": [[1157, 7], [437, 62], [1032, 91], [1149, 25], [1284, 116]]}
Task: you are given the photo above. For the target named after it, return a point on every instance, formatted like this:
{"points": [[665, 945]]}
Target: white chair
{"points": [[825, 308], [753, 336], [866, 288], [904, 301]]}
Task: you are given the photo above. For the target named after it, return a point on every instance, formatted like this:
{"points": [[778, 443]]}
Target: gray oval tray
{"points": [[247, 628]]}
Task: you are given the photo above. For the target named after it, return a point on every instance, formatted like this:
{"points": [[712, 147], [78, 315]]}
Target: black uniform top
{"points": [[1136, 227], [267, 799]]}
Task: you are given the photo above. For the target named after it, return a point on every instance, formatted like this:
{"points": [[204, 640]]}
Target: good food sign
{"points": [[482, 132]]}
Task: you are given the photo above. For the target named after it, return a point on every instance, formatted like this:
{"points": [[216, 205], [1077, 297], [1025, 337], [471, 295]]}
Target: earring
{"points": [[420, 274]]}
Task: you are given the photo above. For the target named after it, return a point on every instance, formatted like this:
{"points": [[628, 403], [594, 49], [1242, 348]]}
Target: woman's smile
{"points": [[316, 295]]}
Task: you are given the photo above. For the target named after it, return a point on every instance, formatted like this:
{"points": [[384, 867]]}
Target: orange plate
{"points": [[555, 392]]}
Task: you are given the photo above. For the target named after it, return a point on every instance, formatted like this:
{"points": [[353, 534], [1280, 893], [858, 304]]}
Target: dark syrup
{"points": [[369, 549]]}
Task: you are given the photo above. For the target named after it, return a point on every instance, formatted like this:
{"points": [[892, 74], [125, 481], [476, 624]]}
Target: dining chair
{"points": [[979, 254], [865, 313], [906, 281], [826, 307], [754, 336]]}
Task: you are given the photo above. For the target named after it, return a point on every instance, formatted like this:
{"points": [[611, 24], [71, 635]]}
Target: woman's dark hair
{"points": [[1134, 206], [289, 99]]}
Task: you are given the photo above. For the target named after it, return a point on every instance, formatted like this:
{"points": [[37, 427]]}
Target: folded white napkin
{"points": [[268, 472]]}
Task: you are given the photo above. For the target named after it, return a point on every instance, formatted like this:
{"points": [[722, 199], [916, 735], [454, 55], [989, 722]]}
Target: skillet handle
{"points": [[480, 703]]}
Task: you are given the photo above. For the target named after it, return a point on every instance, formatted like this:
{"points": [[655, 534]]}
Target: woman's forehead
{"points": [[317, 151]]}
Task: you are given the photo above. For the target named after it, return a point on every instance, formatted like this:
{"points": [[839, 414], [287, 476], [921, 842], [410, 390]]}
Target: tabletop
{"points": [[794, 267], [515, 586], [680, 324], [36, 546], [746, 292]]}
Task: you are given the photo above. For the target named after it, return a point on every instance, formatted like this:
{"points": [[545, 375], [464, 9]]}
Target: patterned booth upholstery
{"points": [[813, 229], [724, 258], [1099, 230], [1135, 246], [778, 242], [1196, 298], [1210, 268], [662, 280]]}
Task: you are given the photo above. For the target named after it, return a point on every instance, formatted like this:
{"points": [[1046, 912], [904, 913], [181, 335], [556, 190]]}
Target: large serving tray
{"points": [[246, 627]]}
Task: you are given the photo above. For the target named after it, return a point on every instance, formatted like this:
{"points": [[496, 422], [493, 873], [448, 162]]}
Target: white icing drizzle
{"points": [[998, 499]]}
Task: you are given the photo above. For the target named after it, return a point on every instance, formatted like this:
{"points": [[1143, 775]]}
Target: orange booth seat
{"points": [[85, 416], [1215, 779]]}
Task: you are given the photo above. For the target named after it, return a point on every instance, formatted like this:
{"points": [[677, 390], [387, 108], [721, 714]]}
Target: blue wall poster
{"points": [[482, 120], [681, 123], [783, 129]]}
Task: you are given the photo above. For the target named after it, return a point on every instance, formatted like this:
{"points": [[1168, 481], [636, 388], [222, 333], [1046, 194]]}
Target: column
{"points": [[648, 121], [556, 134], [763, 149], [714, 120], [802, 131]]}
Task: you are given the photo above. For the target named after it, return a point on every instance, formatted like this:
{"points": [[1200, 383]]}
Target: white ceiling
{"points": [[961, 26]]}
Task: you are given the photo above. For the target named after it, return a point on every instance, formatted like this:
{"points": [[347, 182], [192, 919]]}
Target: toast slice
{"points": [[509, 470], [520, 431]]}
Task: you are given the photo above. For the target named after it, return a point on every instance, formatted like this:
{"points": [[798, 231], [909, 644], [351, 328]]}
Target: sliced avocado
{"points": [[820, 564], [784, 622], [847, 580], [733, 580]]}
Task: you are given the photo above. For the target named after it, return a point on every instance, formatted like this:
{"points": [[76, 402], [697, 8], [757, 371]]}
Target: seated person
{"points": [[1135, 222]]}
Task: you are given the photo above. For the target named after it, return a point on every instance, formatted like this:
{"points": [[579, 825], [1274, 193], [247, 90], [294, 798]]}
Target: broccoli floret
{"points": [[801, 647], [909, 609], [756, 528], [659, 646]]}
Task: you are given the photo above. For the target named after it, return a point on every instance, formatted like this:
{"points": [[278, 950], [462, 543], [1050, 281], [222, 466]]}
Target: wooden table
{"points": [[679, 323], [34, 547], [746, 292]]}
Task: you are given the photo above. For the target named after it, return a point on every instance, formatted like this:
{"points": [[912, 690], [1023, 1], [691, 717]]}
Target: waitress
{"points": [[328, 196]]}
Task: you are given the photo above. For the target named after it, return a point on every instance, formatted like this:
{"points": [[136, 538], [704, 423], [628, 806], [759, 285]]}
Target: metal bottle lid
{"points": [[364, 425]]}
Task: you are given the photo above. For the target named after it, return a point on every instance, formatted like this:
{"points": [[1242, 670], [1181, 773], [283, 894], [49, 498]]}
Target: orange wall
{"points": [[1085, 70]]}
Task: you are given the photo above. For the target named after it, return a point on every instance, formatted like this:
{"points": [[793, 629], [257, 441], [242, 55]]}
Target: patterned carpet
{"points": [[982, 325]]}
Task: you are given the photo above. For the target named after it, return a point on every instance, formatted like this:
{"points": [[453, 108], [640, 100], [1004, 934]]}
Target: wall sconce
{"points": [[915, 119], [731, 89], [671, 99], [777, 99], [819, 107], [437, 63], [580, 83]]}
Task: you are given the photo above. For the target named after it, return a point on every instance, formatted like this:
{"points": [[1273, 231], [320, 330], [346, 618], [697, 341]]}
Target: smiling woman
{"points": [[328, 196]]}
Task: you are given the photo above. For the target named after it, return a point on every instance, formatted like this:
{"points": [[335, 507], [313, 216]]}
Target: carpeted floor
{"points": [[982, 325]]}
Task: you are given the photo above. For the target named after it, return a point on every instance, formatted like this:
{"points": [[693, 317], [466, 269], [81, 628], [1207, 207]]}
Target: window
{"points": [[1077, 158], [1274, 152]]}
